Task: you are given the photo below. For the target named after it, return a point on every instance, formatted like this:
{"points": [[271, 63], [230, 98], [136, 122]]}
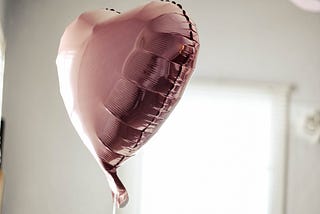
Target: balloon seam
{"points": [[113, 10]]}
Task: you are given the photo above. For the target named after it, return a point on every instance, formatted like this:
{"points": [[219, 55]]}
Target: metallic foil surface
{"points": [[121, 75]]}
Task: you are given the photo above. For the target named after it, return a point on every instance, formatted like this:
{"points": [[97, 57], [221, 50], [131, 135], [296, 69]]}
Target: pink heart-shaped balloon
{"points": [[121, 75]]}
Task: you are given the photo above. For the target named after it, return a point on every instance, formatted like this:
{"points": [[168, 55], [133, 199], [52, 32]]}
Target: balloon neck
{"points": [[119, 192]]}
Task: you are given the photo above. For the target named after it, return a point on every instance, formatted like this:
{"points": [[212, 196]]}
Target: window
{"points": [[223, 150]]}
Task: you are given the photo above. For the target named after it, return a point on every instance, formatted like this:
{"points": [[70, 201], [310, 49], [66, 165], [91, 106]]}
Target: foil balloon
{"points": [[121, 75]]}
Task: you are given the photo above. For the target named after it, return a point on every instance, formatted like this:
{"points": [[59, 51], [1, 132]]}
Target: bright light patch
{"points": [[64, 64], [213, 155]]}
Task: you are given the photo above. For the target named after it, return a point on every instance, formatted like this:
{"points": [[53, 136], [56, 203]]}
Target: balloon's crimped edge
{"points": [[185, 15], [113, 10], [173, 2]]}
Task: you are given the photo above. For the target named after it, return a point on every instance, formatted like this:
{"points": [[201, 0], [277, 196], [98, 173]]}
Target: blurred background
{"points": [[244, 139]]}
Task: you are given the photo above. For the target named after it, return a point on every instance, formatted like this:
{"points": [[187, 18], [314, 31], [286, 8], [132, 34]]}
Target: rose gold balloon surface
{"points": [[121, 75]]}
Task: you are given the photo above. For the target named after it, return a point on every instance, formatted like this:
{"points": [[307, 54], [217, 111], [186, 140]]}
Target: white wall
{"points": [[2, 10], [47, 168]]}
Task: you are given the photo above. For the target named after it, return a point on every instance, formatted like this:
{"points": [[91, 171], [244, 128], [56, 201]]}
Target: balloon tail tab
{"points": [[119, 193]]}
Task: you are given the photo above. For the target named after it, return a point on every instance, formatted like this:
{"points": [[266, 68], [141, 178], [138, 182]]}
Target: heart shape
{"points": [[121, 75]]}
